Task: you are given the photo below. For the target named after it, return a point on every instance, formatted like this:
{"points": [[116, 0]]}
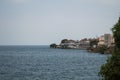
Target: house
{"points": [[84, 44], [101, 41]]}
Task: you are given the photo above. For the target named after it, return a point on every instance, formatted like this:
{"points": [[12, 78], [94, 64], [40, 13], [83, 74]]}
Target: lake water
{"points": [[44, 63]]}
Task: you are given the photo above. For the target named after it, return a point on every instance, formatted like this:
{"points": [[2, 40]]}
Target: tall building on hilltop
{"points": [[106, 39]]}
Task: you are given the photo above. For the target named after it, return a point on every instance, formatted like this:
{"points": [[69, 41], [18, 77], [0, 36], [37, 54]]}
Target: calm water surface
{"points": [[43, 63]]}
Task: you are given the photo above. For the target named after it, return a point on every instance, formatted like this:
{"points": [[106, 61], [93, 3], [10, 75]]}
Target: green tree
{"points": [[116, 33], [102, 49], [111, 70], [53, 45], [93, 42], [64, 41]]}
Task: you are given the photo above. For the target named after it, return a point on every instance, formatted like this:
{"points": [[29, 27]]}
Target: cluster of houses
{"points": [[106, 39], [75, 44]]}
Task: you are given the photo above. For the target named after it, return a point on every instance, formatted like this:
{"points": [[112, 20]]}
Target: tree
{"points": [[111, 70], [116, 33], [93, 42], [53, 45], [64, 41], [102, 49]]}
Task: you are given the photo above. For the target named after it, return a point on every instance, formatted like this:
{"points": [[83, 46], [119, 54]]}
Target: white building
{"points": [[106, 39], [101, 41]]}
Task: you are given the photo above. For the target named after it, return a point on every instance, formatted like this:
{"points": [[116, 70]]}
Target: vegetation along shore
{"points": [[103, 44], [106, 43]]}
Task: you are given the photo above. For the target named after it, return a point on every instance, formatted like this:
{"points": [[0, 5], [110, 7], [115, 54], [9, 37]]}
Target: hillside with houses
{"points": [[104, 43]]}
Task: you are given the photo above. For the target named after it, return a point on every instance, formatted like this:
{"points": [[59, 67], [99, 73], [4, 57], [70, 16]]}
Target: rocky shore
{"points": [[91, 45], [72, 44], [102, 50]]}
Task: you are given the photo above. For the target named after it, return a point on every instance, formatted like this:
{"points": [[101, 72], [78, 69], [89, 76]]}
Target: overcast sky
{"points": [[42, 22]]}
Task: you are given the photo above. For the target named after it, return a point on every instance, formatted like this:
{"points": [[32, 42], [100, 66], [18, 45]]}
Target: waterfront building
{"points": [[84, 44], [106, 39], [101, 41]]}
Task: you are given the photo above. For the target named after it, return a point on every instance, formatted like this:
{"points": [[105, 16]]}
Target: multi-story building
{"points": [[106, 39]]}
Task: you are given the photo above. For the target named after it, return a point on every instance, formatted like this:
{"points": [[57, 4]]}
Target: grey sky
{"points": [[38, 22]]}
